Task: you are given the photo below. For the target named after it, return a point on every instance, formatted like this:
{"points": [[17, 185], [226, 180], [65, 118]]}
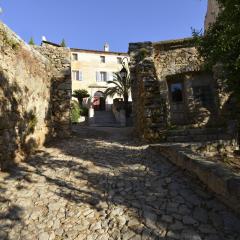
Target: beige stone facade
{"points": [[92, 69]]}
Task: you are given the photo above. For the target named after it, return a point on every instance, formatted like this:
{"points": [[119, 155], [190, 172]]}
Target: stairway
{"points": [[104, 119]]}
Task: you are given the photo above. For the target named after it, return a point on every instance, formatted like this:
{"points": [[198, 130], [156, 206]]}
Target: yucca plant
{"points": [[80, 94], [120, 86]]}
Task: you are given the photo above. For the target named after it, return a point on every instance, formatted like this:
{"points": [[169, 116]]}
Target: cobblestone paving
{"points": [[97, 189]]}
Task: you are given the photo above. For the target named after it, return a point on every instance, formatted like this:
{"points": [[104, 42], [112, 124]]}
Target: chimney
{"points": [[44, 38], [106, 47]]}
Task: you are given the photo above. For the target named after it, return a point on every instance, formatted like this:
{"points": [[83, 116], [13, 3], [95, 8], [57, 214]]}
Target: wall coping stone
{"points": [[218, 178]]}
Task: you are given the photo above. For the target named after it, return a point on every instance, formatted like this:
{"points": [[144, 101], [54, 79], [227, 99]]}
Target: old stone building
{"points": [[170, 89]]}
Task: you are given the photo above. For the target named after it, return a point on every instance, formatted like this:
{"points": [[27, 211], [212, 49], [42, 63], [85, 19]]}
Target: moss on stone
{"points": [[9, 41]]}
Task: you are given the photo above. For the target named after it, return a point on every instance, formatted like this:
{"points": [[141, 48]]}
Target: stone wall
{"points": [[157, 68], [34, 96], [145, 90], [61, 85], [153, 66]]}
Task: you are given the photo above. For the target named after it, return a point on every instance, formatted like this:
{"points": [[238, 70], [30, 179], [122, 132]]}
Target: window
{"points": [[77, 75], [75, 56], [101, 77], [102, 59], [119, 60], [204, 96], [177, 92]]}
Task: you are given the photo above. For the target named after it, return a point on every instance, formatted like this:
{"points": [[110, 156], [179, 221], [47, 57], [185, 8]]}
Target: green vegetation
{"points": [[80, 94], [75, 112], [143, 53], [10, 41], [32, 123], [221, 44], [121, 86], [31, 41], [63, 43], [84, 111]]}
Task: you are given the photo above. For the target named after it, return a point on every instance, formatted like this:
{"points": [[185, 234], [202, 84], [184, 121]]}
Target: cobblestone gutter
{"points": [[219, 179]]}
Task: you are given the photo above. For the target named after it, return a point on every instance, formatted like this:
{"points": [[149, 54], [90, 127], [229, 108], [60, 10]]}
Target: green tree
{"points": [[31, 41], [63, 43], [120, 86], [221, 43], [80, 94]]}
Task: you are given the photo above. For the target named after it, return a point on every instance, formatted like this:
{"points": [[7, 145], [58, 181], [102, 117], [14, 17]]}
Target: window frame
{"points": [[80, 75], [102, 73], [119, 60], [73, 58], [102, 59]]}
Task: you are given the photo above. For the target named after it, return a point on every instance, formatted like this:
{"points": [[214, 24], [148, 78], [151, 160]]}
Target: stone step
{"points": [[104, 119], [204, 131], [105, 125], [197, 138]]}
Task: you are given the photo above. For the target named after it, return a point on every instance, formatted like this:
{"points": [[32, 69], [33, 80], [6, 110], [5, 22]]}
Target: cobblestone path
{"points": [[87, 188]]}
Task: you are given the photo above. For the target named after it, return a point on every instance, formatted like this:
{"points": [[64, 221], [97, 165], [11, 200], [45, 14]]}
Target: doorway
{"points": [[99, 102], [177, 105]]}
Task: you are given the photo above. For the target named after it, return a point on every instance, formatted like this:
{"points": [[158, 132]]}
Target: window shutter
{"points": [[98, 78], [80, 76], [110, 76]]}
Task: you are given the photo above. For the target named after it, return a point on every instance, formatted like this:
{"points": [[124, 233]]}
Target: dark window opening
{"points": [[177, 92], [103, 59], [204, 96]]}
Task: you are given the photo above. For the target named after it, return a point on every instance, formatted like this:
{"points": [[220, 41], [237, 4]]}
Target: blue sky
{"points": [[89, 23]]}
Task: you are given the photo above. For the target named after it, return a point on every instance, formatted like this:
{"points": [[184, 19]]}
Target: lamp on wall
{"points": [[124, 72]]}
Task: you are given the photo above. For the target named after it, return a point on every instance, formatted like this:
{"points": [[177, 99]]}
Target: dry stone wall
{"points": [[31, 85], [158, 67], [151, 65], [61, 86]]}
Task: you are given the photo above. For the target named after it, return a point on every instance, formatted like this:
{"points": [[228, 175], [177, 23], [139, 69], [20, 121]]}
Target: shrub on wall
{"points": [[143, 53]]}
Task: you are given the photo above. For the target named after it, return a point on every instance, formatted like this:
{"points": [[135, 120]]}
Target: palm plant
{"points": [[120, 86], [80, 94]]}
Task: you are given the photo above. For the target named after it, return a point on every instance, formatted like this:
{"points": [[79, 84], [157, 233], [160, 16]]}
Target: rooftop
{"points": [[87, 50], [98, 51]]}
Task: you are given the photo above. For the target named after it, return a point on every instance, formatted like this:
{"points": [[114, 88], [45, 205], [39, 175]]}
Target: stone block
{"points": [[224, 183]]}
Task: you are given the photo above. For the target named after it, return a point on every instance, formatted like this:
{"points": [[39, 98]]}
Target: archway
{"points": [[99, 102]]}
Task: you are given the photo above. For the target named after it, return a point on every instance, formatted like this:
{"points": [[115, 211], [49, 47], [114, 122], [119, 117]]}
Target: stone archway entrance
{"points": [[99, 102]]}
